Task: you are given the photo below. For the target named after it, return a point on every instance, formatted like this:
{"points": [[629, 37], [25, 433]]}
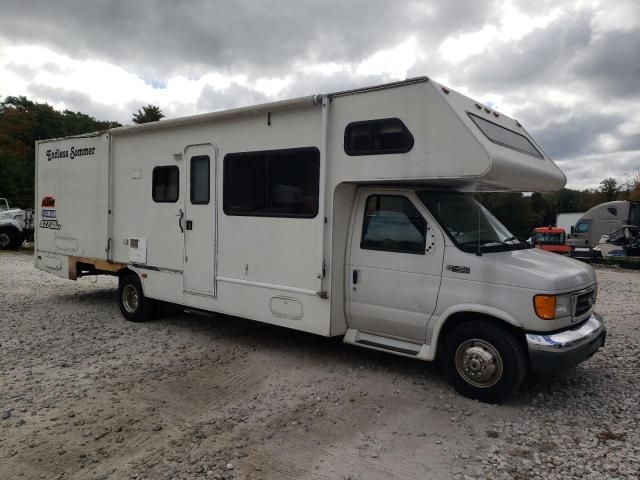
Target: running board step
{"points": [[385, 344]]}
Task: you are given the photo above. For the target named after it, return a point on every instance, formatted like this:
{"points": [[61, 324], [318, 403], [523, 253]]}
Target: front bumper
{"points": [[564, 350]]}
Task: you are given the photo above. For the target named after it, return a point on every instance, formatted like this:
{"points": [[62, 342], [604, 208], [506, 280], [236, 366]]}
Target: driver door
{"points": [[394, 266]]}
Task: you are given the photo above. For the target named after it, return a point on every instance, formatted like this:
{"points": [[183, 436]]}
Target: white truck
{"points": [[568, 220], [343, 214], [602, 220], [16, 226]]}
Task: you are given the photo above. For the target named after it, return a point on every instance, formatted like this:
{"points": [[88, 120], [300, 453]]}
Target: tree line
{"points": [[23, 121]]}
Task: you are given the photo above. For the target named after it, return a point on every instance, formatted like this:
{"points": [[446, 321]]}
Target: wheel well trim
{"points": [[437, 323], [132, 270], [11, 226]]}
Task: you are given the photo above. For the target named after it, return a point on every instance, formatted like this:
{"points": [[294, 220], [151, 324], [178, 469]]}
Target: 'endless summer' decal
{"points": [[72, 153]]}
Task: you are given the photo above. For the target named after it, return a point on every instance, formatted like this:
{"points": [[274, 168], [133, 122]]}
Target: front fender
{"points": [[12, 223], [437, 322]]}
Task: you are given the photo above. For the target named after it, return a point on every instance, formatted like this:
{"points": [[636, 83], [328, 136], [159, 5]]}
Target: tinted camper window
{"points": [[273, 183], [377, 137], [505, 137], [165, 187]]}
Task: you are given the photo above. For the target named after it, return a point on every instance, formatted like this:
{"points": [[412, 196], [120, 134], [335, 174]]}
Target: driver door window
{"points": [[392, 224]]}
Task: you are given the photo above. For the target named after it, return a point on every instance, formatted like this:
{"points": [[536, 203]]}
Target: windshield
{"points": [[471, 226], [549, 238]]}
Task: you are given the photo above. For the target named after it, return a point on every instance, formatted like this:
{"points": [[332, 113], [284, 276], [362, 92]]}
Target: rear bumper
{"points": [[564, 350]]}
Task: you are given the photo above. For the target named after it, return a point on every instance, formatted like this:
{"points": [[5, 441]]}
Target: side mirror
{"points": [[573, 229]]}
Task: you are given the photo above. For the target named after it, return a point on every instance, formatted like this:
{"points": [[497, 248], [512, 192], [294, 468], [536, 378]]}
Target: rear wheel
{"points": [[484, 361], [134, 306]]}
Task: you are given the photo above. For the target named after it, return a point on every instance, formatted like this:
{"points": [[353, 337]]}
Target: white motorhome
{"points": [[342, 215]]}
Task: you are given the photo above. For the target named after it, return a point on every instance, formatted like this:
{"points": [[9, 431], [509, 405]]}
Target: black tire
{"points": [[134, 306], [18, 241], [8, 238], [484, 361]]}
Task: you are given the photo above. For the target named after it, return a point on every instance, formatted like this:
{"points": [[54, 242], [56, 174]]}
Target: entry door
{"points": [[395, 266], [200, 240]]}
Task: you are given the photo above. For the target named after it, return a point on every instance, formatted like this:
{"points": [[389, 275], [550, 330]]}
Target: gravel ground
{"points": [[87, 395]]}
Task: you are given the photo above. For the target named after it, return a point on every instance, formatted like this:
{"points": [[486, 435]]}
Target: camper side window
{"points": [[200, 180], [377, 137], [392, 224], [273, 183], [165, 184]]}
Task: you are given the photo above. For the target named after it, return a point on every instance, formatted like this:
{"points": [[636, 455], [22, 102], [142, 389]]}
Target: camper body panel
{"points": [[261, 267], [72, 201], [67, 170]]}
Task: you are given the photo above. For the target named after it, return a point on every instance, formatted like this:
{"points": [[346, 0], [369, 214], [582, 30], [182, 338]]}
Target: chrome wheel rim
{"points": [[4, 240], [479, 363], [130, 298]]}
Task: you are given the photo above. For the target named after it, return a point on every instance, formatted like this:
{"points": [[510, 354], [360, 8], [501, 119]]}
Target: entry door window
{"points": [[200, 176], [392, 224]]}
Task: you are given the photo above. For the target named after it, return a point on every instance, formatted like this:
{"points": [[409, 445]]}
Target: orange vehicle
{"points": [[551, 239]]}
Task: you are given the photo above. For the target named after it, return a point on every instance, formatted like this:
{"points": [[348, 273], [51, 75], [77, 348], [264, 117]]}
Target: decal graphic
{"points": [[72, 153], [48, 202], [458, 269], [52, 224], [48, 214]]}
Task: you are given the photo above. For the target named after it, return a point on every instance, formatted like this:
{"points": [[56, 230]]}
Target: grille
{"points": [[584, 302]]}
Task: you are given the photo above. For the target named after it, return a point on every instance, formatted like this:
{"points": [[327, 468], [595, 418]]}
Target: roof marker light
{"points": [[487, 110], [445, 90], [496, 114], [478, 106]]}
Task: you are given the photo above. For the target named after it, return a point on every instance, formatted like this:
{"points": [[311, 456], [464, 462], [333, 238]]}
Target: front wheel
{"points": [[484, 361], [8, 238], [134, 306]]}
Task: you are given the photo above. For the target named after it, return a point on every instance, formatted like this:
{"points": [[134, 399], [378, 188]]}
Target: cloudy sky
{"points": [[569, 71]]}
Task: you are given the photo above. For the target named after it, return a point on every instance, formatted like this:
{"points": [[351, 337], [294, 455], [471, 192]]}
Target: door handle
{"points": [[354, 276], [181, 215]]}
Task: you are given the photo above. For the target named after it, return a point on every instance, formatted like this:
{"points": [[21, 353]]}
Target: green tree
{"points": [[609, 189], [22, 123], [146, 114], [633, 186]]}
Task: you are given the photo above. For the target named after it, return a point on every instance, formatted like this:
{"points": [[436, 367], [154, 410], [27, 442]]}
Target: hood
{"points": [[532, 268], [11, 213]]}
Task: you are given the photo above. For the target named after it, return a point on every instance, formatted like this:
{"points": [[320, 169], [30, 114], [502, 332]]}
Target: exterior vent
{"points": [[138, 250]]}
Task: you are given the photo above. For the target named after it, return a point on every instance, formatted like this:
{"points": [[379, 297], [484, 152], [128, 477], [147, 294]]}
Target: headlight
{"points": [[550, 307]]}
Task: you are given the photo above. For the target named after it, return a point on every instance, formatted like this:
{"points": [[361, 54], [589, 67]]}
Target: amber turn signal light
{"points": [[545, 306]]}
